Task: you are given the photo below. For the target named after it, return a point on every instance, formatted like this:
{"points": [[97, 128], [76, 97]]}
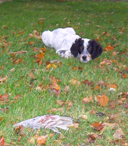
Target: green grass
{"points": [[89, 19]]}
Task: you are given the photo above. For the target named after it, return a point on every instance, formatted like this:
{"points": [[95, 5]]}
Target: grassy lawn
{"points": [[25, 77]]}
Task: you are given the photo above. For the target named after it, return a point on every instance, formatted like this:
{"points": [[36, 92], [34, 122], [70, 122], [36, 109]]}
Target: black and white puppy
{"points": [[68, 44]]}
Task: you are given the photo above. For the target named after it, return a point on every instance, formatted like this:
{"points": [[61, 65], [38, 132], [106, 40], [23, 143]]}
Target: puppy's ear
{"points": [[77, 47], [95, 49]]}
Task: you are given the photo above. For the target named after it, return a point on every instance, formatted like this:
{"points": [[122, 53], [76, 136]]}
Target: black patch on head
{"points": [[94, 48], [77, 47]]}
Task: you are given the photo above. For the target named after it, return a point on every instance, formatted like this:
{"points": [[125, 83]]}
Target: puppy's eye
{"points": [[82, 48]]}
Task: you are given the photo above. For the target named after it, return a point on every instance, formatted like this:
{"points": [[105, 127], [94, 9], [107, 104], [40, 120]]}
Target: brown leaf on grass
{"points": [[110, 125], [87, 99], [0, 119], [53, 64], [112, 105], [66, 89], [115, 61], [103, 33], [74, 82], [125, 106], [102, 84], [4, 97], [31, 75], [18, 52], [124, 76], [77, 68], [2, 141], [109, 48], [112, 86], [92, 137], [54, 110], [54, 87], [74, 126], [83, 117], [1, 67], [12, 70], [118, 134], [114, 53], [106, 62], [41, 140], [103, 100], [87, 82], [97, 126], [40, 58], [17, 61], [19, 129], [3, 79], [114, 116]]}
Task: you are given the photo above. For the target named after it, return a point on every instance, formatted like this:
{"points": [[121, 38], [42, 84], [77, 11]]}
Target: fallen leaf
{"points": [[3, 79], [17, 61], [0, 119], [12, 70], [19, 129], [55, 87], [103, 100], [54, 110], [74, 126], [114, 53], [110, 125], [1, 67], [2, 142], [103, 33], [112, 86], [106, 62], [77, 68], [18, 52], [87, 99], [51, 66], [118, 134], [74, 82], [4, 97], [41, 140], [84, 117], [109, 48], [66, 89], [97, 126], [87, 82]]}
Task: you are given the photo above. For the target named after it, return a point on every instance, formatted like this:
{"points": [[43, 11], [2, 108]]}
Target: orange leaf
{"points": [[124, 76], [40, 56], [54, 110], [112, 86], [2, 142], [0, 119], [4, 97], [30, 43], [3, 79], [87, 99], [109, 48], [103, 100], [98, 126], [17, 61], [41, 140]]}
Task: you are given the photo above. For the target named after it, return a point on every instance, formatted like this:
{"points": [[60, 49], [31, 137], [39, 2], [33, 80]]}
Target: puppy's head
{"points": [[86, 49]]}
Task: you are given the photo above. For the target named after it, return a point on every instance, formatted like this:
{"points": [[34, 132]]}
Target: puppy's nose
{"points": [[84, 57]]}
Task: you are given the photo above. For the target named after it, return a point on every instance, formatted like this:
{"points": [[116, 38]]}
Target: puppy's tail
{"points": [[47, 38]]}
